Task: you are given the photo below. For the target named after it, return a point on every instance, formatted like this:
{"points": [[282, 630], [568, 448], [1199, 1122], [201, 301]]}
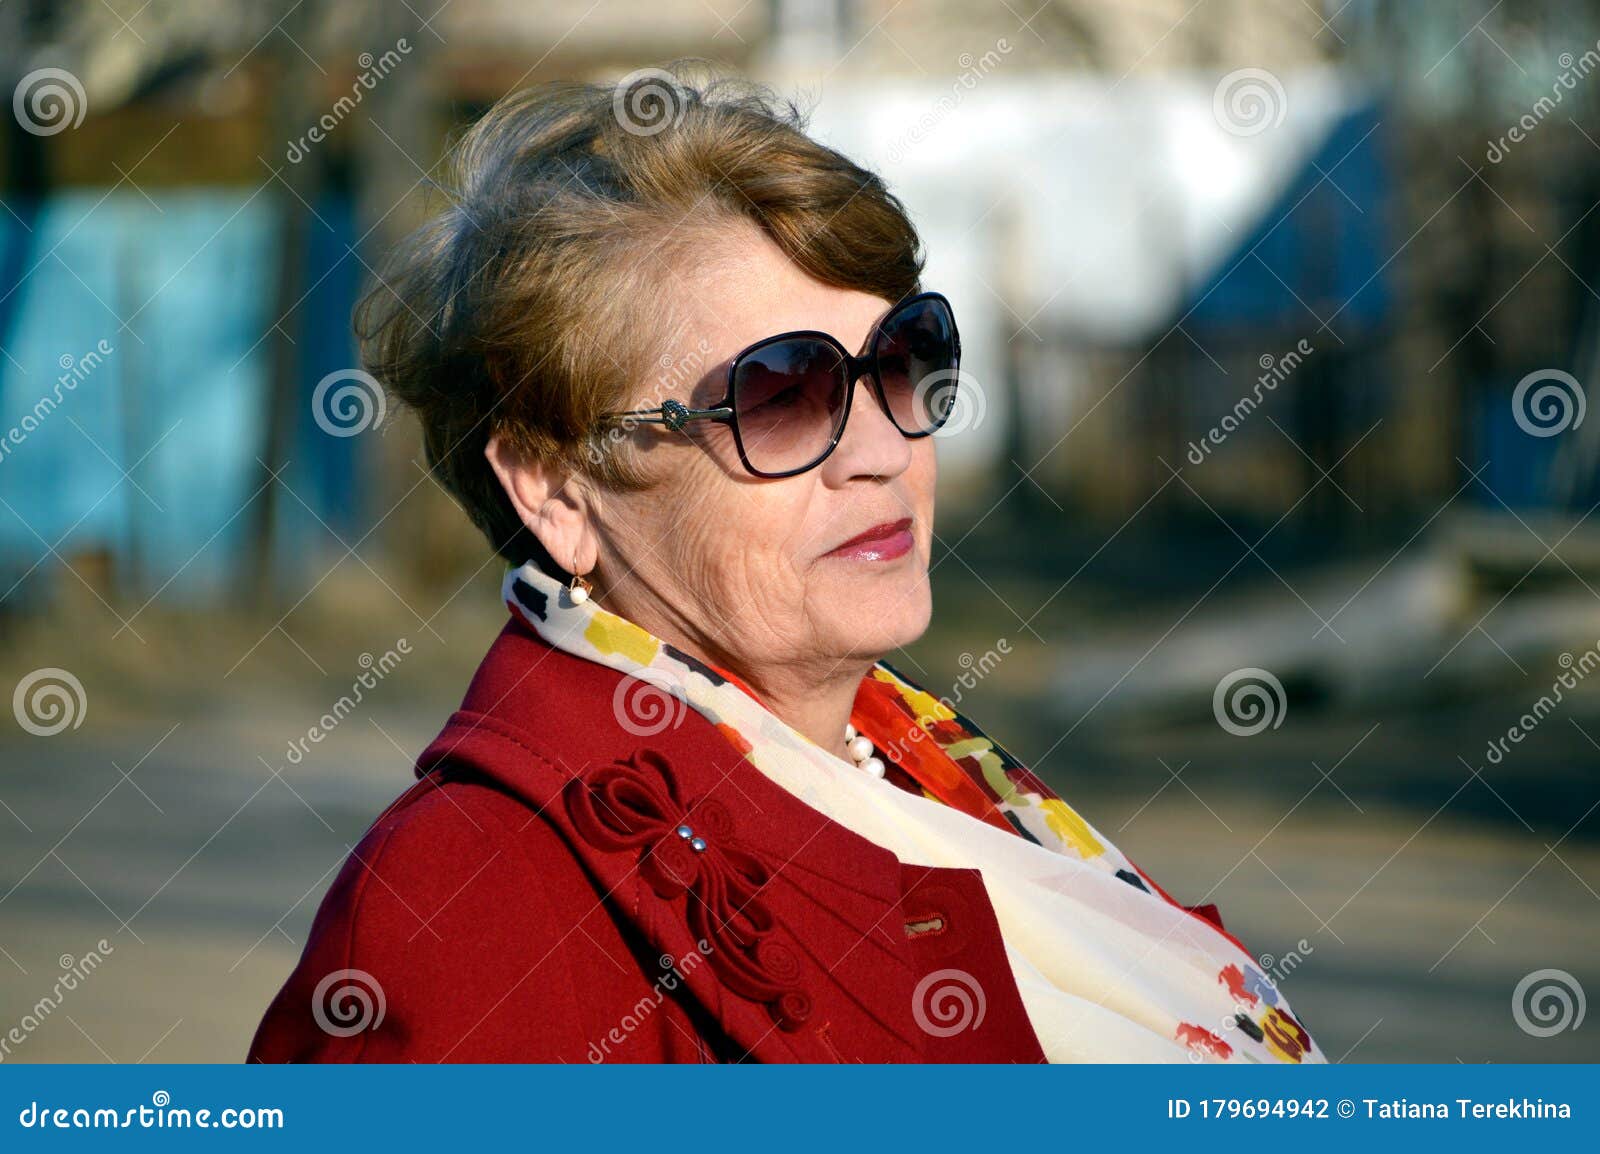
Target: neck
{"points": [[816, 703], [817, 708], [813, 698]]}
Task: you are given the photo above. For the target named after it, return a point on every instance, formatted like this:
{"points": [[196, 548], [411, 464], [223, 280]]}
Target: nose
{"points": [[871, 445]]}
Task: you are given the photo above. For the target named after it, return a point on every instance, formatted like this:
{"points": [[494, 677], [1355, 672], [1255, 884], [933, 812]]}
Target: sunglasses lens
{"points": [[788, 398], [917, 364]]}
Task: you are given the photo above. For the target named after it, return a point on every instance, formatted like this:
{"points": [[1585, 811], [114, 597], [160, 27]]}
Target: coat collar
{"points": [[801, 921]]}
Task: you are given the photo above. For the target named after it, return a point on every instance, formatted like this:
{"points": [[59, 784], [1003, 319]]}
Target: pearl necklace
{"points": [[861, 751]]}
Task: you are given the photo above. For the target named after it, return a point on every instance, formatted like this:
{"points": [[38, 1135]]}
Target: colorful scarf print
{"points": [[1110, 968]]}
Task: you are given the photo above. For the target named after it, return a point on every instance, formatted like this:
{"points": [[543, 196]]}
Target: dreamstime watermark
{"points": [[948, 1002], [647, 101], [974, 671], [676, 372], [373, 69], [1577, 669], [159, 1115], [347, 402], [49, 100], [1573, 69], [675, 970], [1546, 1002], [74, 972], [1277, 968], [1248, 102], [1275, 370], [375, 669], [954, 397], [1249, 700], [973, 71], [75, 370], [1547, 402], [49, 700], [648, 701], [1255, 992], [346, 1002]]}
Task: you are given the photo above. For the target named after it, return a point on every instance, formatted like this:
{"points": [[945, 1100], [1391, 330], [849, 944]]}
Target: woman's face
{"points": [[756, 570]]}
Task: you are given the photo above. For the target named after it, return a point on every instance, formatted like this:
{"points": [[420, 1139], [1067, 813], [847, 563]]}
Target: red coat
{"points": [[531, 899]]}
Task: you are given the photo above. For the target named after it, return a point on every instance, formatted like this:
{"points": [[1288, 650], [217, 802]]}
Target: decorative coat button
{"points": [[633, 806]]}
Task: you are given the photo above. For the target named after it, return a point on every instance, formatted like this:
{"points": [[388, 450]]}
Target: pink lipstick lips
{"points": [[882, 542]]}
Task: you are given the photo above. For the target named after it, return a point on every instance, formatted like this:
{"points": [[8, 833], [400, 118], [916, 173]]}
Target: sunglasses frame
{"points": [[674, 414]]}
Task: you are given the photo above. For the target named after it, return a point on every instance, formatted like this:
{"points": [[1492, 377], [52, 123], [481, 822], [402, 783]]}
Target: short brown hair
{"points": [[539, 297]]}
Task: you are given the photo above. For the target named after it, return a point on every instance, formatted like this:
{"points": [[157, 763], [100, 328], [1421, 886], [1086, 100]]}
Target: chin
{"points": [[874, 621]]}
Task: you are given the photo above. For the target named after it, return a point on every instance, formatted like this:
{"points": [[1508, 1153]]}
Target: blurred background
{"points": [[1265, 530]]}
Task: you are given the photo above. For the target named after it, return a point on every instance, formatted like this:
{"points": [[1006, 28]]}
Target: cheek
{"points": [[921, 481], [733, 540], [923, 472]]}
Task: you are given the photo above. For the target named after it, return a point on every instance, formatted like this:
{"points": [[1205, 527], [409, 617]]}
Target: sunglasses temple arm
{"points": [[670, 416], [643, 416]]}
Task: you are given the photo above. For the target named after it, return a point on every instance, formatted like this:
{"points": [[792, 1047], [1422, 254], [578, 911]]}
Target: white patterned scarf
{"points": [[1108, 970]]}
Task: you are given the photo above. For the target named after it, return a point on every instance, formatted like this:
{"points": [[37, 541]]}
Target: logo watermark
{"points": [[74, 972], [648, 702], [1573, 69], [675, 971], [1248, 102], [974, 69], [49, 700], [1248, 701], [75, 371], [974, 671], [954, 397], [373, 69], [948, 1002], [1577, 669], [49, 100], [1255, 993], [347, 402], [159, 1115], [648, 101], [1276, 370], [676, 372], [1547, 402], [346, 1002], [375, 669], [1547, 1002]]}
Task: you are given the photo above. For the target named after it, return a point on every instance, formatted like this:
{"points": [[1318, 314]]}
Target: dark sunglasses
{"points": [[788, 396]]}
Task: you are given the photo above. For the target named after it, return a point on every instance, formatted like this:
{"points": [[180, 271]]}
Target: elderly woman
{"points": [[685, 376]]}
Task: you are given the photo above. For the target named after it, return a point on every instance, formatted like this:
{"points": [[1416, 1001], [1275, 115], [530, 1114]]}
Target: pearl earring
{"points": [[578, 589]]}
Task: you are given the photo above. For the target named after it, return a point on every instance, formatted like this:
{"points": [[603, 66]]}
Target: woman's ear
{"points": [[550, 501]]}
